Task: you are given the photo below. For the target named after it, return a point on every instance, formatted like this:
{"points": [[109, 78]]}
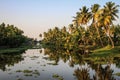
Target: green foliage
{"points": [[9, 60], [57, 76], [12, 50], [106, 52], [11, 36], [118, 74], [81, 37]]}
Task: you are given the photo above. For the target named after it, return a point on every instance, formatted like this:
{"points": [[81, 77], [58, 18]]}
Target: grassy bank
{"points": [[104, 54], [13, 50], [17, 50], [106, 51]]}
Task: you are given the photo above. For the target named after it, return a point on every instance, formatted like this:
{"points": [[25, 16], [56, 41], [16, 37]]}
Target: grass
{"points": [[104, 55], [106, 52], [13, 50]]}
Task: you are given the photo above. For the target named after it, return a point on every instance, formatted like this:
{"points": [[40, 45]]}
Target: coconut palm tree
{"points": [[83, 17], [94, 10], [110, 14]]}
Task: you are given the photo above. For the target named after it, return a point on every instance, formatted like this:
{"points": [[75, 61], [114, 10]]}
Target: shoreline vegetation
{"points": [[12, 50], [99, 39], [12, 39], [104, 55], [93, 34], [19, 49], [91, 39]]}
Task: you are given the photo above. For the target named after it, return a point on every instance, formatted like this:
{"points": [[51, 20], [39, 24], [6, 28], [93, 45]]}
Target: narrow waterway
{"points": [[33, 64]]}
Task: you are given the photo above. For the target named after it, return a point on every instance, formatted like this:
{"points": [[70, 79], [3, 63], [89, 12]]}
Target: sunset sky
{"points": [[36, 16]]}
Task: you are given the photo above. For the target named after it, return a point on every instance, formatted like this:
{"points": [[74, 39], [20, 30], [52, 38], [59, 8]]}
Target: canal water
{"points": [[36, 64]]}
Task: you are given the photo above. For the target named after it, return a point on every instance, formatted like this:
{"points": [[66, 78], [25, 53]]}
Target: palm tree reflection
{"points": [[101, 73], [82, 74]]}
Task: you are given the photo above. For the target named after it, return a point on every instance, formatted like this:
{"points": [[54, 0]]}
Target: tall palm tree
{"points": [[94, 10], [110, 14], [83, 17]]}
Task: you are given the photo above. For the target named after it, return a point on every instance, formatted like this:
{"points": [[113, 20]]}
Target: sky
{"points": [[37, 16]]}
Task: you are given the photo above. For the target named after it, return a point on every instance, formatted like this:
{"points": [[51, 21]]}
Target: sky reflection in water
{"points": [[39, 67]]}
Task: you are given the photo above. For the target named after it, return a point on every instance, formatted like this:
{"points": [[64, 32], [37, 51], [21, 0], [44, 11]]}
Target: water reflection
{"points": [[117, 61], [57, 55], [9, 60], [54, 64], [99, 71]]}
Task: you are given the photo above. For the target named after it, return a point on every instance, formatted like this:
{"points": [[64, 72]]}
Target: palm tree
{"points": [[83, 17], [109, 15], [116, 33], [94, 10], [105, 18]]}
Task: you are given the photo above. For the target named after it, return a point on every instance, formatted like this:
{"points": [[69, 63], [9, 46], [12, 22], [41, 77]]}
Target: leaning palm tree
{"points": [[95, 14], [109, 15]]}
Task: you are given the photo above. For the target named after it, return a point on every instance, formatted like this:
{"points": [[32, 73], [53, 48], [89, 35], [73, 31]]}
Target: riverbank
{"points": [[13, 50], [17, 50], [106, 51], [104, 55]]}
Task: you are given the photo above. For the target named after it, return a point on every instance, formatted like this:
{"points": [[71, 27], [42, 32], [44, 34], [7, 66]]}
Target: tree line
{"points": [[11, 36], [91, 28]]}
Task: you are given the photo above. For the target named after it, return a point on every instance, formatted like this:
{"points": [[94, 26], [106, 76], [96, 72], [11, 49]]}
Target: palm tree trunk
{"points": [[99, 36], [112, 43]]}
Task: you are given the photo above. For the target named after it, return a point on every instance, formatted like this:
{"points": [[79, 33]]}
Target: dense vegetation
{"points": [[91, 28], [12, 37]]}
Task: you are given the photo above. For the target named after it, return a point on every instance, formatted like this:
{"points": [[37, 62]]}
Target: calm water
{"points": [[35, 65]]}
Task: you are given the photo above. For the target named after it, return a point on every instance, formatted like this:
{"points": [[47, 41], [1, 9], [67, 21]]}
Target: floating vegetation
{"points": [[19, 79], [30, 67], [46, 58], [29, 72], [34, 57], [52, 63], [118, 74], [43, 65], [57, 76], [36, 72], [38, 62], [19, 71]]}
